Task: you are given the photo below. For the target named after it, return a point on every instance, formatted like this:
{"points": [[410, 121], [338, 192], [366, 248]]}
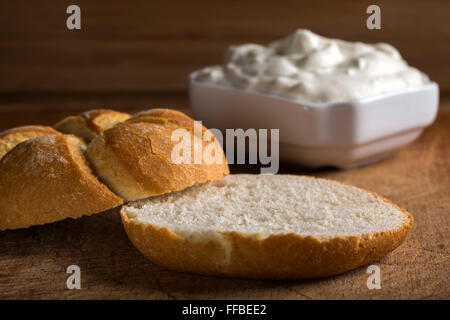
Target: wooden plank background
{"points": [[149, 47]]}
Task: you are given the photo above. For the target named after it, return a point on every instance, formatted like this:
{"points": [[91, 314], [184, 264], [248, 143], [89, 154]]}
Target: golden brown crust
{"points": [[47, 179], [171, 119], [283, 256], [12, 137], [90, 123], [135, 159], [165, 117]]}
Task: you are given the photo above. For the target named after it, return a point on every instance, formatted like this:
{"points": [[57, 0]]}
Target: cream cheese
{"points": [[307, 67]]}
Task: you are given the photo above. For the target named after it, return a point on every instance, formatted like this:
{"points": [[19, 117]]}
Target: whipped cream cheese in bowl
{"points": [[335, 102]]}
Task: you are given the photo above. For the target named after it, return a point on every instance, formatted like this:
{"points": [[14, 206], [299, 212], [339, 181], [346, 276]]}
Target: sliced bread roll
{"points": [[135, 158], [266, 227], [90, 123], [47, 179], [12, 137]]}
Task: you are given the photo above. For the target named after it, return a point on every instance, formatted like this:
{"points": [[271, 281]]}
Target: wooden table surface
{"points": [[33, 262]]}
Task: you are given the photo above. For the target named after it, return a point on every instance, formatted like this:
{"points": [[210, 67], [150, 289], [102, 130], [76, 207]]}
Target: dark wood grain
{"points": [[33, 261], [152, 46]]}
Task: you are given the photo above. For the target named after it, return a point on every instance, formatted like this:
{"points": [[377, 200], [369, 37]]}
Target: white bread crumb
{"points": [[269, 204]]}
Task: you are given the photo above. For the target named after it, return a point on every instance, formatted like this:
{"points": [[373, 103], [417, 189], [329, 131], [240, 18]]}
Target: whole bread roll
{"points": [[90, 123], [47, 179], [135, 158], [12, 137]]}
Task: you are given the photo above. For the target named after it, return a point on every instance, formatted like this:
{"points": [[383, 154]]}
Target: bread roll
{"points": [[47, 179], [88, 124], [266, 227], [12, 137], [134, 160], [175, 119]]}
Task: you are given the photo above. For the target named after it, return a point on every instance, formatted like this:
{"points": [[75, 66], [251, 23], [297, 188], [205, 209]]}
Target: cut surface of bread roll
{"points": [[90, 123], [267, 227], [47, 179], [12, 137], [135, 160]]}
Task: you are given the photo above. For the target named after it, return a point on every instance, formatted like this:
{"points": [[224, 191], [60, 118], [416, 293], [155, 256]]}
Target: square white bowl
{"points": [[343, 134]]}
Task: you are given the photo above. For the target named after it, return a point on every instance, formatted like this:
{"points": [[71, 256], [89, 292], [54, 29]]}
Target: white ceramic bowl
{"points": [[343, 134]]}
